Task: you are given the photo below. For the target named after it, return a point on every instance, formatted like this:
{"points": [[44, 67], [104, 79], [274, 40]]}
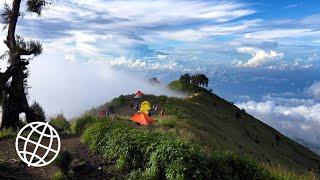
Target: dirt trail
{"points": [[86, 164]]}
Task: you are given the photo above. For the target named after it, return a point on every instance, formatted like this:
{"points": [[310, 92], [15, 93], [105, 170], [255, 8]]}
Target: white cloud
{"points": [[75, 87], [143, 64], [164, 11], [314, 90], [282, 33], [311, 20], [183, 35], [292, 6], [259, 56], [296, 118], [204, 32]]}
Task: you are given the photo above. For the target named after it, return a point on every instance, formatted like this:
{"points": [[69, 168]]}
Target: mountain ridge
{"points": [[218, 124]]}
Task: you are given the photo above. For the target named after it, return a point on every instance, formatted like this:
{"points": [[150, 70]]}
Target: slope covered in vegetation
{"points": [[206, 121]]}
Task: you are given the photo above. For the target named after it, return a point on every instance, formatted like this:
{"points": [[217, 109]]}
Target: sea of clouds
{"points": [[296, 118]]}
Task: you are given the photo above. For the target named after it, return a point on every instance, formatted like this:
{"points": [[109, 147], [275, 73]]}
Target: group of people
{"points": [[137, 105]]}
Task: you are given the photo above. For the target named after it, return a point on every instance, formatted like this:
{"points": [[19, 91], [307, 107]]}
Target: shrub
{"points": [[155, 155], [168, 121], [228, 165], [59, 176], [63, 161], [7, 133], [61, 124], [82, 123], [38, 111], [282, 173], [121, 100], [162, 99]]}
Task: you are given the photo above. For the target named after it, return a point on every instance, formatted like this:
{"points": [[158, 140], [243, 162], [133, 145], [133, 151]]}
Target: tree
{"points": [[195, 80], [204, 80], [185, 78], [14, 92], [38, 111]]}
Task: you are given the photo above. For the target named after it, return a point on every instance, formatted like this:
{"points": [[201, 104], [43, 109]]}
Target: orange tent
{"points": [[142, 119]]}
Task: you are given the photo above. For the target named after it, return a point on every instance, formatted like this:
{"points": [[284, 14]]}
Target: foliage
{"points": [[282, 173], [63, 161], [30, 47], [36, 6], [39, 112], [155, 155], [7, 133], [82, 123], [121, 100], [5, 15], [227, 165], [61, 124], [169, 121], [59, 176]]}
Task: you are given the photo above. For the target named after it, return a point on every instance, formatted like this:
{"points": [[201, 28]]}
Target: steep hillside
{"points": [[216, 124]]}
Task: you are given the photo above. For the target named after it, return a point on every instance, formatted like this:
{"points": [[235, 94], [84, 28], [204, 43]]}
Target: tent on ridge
{"points": [[142, 119], [142, 116], [138, 95]]}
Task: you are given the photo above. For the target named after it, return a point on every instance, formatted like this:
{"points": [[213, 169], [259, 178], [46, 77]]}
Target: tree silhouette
{"points": [[196, 80], [185, 78], [14, 92]]}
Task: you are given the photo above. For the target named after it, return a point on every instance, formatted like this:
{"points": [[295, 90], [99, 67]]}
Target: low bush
{"points": [[283, 173], [169, 121], [59, 176], [63, 161], [121, 100], [7, 133], [154, 155], [82, 123], [61, 124], [39, 114]]}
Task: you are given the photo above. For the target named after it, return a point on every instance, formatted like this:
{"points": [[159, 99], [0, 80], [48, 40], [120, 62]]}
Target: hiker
{"points": [[162, 112], [131, 106]]}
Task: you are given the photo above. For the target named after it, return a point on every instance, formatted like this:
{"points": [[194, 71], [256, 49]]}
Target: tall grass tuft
{"points": [[7, 133]]}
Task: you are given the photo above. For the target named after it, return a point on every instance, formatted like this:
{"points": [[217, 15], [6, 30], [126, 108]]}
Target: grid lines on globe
{"points": [[41, 144]]}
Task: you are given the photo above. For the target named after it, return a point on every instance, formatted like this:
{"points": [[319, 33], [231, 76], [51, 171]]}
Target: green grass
{"points": [[61, 125], [81, 123], [7, 133], [145, 154], [59, 176], [282, 173], [212, 123], [168, 121]]}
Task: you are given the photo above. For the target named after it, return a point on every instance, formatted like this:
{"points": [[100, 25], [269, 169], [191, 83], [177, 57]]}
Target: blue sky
{"points": [[262, 55]]}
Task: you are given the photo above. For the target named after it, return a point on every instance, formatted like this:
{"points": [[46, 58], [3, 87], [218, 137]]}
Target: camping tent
{"points": [[138, 95], [142, 119], [102, 114]]}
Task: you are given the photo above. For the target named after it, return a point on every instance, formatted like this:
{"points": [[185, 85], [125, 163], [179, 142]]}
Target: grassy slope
{"points": [[211, 121]]}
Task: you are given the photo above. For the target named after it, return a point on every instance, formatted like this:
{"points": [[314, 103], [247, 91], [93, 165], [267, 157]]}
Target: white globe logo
{"points": [[38, 144]]}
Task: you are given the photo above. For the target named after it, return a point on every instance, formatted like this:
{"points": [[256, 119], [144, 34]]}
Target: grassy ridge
{"points": [[153, 155]]}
